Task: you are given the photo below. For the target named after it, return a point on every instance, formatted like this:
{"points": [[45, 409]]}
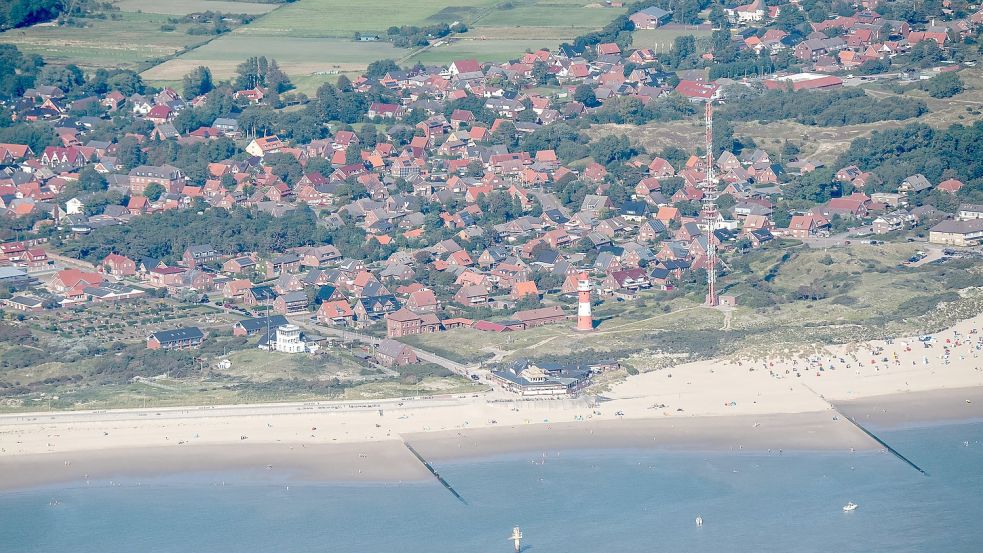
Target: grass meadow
{"points": [[127, 42], [184, 7]]}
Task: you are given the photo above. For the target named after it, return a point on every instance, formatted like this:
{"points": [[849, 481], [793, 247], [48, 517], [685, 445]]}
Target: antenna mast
{"points": [[709, 211]]}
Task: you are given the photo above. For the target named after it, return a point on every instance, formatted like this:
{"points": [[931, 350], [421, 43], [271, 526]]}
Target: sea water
{"points": [[569, 502]]}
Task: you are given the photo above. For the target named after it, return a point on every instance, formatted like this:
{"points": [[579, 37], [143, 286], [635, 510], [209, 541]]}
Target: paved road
{"points": [[458, 368], [243, 410]]}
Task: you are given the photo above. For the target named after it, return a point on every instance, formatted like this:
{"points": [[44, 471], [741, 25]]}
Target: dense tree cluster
{"points": [[896, 154], [568, 143], [17, 71], [824, 108], [166, 235], [943, 85], [409, 36], [23, 13], [630, 110], [260, 72]]}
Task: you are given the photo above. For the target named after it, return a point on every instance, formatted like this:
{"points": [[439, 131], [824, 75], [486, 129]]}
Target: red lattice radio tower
{"points": [[709, 211]]}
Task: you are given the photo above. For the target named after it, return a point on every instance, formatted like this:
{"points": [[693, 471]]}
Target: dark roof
{"points": [[634, 208], [390, 348], [263, 293], [259, 323], [188, 333]]}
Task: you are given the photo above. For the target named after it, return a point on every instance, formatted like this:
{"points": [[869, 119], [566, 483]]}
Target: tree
{"points": [[368, 136], [153, 191], [683, 47], [284, 166], [353, 155], [344, 84], [725, 202], [541, 73], [476, 168], [611, 148], [91, 180], [788, 20], [789, 149], [66, 77], [129, 154], [944, 85], [926, 53], [127, 82], [378, 69], [585, 95], [197, 82]]}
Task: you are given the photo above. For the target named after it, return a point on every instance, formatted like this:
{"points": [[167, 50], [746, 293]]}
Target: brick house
{"points": [[168, 176], [181, 338], [119, 265], [542, 316], [405, 322], [336, 312], [392, 353]]}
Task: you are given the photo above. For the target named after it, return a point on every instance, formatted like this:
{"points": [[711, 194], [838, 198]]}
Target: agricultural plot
{"points": [[184, 7], [297, 56], [569, 15], [341, 18], [483, 50], [131, 39], [312, 38], [661, 39]]}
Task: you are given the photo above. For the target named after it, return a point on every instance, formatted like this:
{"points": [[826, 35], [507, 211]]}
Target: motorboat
{"points": [[851, 506]]}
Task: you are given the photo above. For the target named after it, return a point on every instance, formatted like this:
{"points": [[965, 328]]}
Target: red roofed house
{"points": [[336, 312], [259, 147], [524, 288], [804, 226], [388, 111], [608, 48], [118, 265], [405, 322], [950, 185], [697, 91], [542, 316], [68, 279], [464, 66], [160, 114]]}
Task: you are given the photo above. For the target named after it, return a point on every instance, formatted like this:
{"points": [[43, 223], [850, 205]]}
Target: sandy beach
{"points": [[732, 404]]}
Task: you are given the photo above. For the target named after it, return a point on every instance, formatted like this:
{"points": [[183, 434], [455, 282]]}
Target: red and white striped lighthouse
{"points": [[584, 319]]}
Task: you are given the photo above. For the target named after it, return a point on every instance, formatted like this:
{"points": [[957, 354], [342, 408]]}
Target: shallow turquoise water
{"points": [[579, 501]]}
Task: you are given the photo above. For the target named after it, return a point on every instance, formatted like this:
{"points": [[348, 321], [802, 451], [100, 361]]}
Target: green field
{"points": [[570, 15], [184, 7], [482, 50], [297, 56], [126, 42], [309, 38], [662, 39], [341, 18]]}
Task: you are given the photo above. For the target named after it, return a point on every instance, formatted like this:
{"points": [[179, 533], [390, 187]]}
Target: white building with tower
{"points": [[288, 340]]}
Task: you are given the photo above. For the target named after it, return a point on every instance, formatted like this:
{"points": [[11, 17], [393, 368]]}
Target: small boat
{"points": [[851, 506], [699, 520]]}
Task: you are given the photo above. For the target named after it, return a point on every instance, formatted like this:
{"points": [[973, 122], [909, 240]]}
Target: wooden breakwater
{"points": [[434, 472]]}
